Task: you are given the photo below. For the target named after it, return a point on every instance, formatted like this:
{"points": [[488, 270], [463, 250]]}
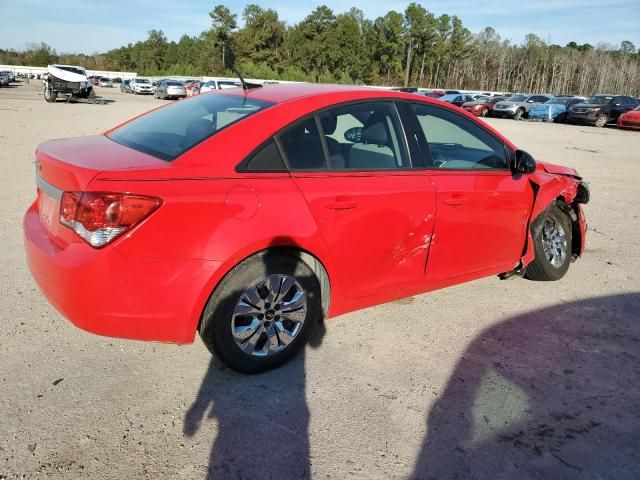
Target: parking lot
{"points": [[490, 380]]}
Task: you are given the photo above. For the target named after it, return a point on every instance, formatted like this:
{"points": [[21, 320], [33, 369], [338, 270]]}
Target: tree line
{"points": [[410, 48]]}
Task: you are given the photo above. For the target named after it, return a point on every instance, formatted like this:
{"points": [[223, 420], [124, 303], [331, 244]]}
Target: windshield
{"points": [[168, 132], [517, 98], [450, 97], [599, 99], [141, 80], [482, 100], [558, 101], [79, 71]]}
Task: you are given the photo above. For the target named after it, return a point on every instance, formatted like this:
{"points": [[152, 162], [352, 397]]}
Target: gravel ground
{"points": [[490, 380]]}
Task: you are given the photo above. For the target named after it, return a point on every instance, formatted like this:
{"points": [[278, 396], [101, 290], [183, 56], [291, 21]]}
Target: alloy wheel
{"points": [[269, 315], [554, 242]]}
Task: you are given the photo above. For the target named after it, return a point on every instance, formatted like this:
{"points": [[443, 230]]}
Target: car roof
{"points": [[279, 93]]}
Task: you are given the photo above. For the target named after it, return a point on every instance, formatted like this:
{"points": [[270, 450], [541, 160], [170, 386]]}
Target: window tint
{"points": [[457, 143], [168, 132], [302, 146], [365, 136], [267, 159]]}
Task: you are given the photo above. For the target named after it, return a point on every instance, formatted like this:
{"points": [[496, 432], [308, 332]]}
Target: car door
{"points": [[374, 208], [482, 207]]}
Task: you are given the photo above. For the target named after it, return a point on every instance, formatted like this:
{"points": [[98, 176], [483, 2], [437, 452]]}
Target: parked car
{"points": [[630, 119], [106, 82], [5, 79], [140, 86], [125, 86], [599, 110], [167, 89], [9, 74], [192, 87], [518, 106], [482, 107], [457, 99], [432, 94], [218, 85], [209, 247], [554, 110]]}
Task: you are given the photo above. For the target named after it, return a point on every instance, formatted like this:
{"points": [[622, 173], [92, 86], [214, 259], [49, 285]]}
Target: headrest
{"points": [[375, 130], [329, 122]]}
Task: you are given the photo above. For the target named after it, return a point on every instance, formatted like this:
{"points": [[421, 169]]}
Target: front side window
{"points": [[168, 132], [456, 143]]}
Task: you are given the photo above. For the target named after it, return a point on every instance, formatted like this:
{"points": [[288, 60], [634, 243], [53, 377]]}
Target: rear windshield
{"points": [[170, 131], [517, 98], [174, 84], [79, 71]]}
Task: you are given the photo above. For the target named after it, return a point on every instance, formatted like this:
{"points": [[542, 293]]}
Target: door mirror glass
{"points": [[353, 135], [524, 163]]}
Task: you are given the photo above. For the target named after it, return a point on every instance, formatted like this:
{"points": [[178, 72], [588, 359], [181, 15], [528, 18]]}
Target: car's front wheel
{"points": [[519, 114], [262, 313], [552, 245], [602, 121], [484, 112]]}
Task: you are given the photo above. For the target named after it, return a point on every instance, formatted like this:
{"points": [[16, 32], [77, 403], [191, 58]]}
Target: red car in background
{"points": [[630, 119], [482, 107], [249, 215]]}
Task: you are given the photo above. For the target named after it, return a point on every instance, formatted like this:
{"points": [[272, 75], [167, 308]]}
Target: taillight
{"points": [[99, 217]]}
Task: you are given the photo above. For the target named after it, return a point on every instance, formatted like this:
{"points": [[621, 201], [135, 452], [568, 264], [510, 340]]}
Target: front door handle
{"points": [[341, 205], [456, 201]]}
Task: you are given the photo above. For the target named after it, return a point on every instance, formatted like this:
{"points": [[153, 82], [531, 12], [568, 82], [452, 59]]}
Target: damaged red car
{"points": [[249, 215]]}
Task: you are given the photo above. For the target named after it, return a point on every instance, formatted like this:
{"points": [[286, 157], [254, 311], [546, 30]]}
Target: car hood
{"points": [[558, 169]]}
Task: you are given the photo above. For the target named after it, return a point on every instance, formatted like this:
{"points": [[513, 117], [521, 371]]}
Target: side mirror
{"points": [[524, 162], [353, 135]]}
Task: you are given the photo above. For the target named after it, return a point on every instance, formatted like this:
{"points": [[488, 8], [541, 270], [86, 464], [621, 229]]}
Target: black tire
{"points": [[519, 114], [542, 269], [216, 323], [602, 121], [50, 95]]}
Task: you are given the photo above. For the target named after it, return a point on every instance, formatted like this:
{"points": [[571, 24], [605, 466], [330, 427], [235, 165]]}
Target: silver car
{"points": [[517, 106], [170, 89]]}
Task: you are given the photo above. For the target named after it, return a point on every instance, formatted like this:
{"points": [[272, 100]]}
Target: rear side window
{"points": [[168, 132], [266, 159], [302, 146], [456, 143]]}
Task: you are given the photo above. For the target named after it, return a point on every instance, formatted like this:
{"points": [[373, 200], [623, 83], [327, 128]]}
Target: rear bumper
{"points": [[104, 292]]}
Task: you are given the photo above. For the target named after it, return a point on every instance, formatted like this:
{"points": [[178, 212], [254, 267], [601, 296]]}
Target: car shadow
{"points": [[261, 422], [550, 394]]}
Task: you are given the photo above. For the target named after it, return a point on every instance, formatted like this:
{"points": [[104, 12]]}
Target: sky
{"points": [[90, 26]]}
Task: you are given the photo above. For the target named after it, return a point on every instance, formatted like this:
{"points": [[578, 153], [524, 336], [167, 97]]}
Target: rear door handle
{"points": [[456, 201]]}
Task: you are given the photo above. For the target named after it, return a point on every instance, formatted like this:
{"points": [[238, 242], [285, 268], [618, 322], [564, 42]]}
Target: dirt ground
{"points": [[487, 380]]}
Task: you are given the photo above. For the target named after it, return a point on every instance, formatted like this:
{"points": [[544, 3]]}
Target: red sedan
{"points": [[630, 119], [482, 107], [249, 215]]}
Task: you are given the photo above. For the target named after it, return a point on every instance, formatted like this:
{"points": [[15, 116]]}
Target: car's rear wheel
{"points": [[552, 245], [519, 114], [602, 121], [262, 313]]}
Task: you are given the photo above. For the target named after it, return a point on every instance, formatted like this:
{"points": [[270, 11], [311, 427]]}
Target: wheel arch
{"points": [[311, 260]]}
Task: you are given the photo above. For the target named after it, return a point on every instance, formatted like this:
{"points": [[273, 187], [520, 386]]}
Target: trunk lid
{"points": [[69, 165]]}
